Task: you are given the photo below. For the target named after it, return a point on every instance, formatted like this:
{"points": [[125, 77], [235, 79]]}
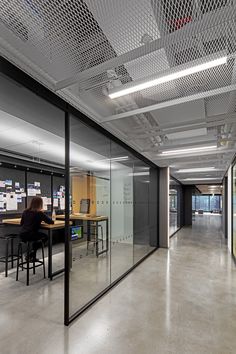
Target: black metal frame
{"points": [[225, 206], [11, 71], [232, 214], [181, 207]]}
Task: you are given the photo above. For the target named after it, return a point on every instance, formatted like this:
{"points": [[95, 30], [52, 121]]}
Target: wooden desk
{"points": [[84, 217], [58, 224], [91, 218]]}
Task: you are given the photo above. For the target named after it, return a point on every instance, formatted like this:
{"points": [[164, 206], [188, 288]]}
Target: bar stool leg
{"points": [[34, 261], [44, 272], [6, 259], [96, 239], [12, 251], [102, 237], [28, 254], [22, 267], [18, 260], [33, 266]]}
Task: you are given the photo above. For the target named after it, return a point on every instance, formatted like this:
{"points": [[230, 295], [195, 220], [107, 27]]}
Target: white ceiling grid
{"points": [[83, 48]]}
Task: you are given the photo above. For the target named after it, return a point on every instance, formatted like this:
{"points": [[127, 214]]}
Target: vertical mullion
{"points": [[67, 222]]}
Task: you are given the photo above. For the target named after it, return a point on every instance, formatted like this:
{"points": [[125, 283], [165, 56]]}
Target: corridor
{"points": [[177, 301]]}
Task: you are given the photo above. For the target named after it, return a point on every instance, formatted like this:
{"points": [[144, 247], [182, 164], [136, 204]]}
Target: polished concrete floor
{"points": [[177, 301]]}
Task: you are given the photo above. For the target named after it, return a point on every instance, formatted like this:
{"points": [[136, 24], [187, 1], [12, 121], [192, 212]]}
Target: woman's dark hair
{"points": [[36, 204]]}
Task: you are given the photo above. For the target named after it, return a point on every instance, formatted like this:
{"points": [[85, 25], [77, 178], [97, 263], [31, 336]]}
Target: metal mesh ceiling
{"points": [[87, 47]]}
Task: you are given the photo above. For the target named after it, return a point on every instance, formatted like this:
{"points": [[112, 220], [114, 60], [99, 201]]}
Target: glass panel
{"points": [[90, 210], [234, 209], [32, 148], [193, 202], [113, 212], [122, 210], [208, 203], [197, 202], [215, 203], [204, 203], [145, 213], [175, 195]]}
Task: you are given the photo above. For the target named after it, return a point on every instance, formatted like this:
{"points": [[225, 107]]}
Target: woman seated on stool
{"points": [[30, 222]]}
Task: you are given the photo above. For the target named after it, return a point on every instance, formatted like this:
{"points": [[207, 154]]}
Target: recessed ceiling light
{"points": [[141, 85], [188, 150]]}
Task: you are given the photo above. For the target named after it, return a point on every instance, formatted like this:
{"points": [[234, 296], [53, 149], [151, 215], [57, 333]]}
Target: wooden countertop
{"points": [[57, 223], [86, 217]]}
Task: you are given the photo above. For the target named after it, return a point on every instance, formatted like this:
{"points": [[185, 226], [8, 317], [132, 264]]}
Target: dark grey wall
{"points": [[187, 204], [164, 207]]}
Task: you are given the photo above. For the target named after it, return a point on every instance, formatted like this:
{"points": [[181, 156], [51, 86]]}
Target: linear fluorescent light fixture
{"points": [[199, 169], [188, 150], [141, 85], [139, 174], [200, 179], [114, 159], [121, 158]]}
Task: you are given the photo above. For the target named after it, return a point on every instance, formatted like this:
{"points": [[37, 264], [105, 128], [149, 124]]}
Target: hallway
{"points": [[177, 301]]}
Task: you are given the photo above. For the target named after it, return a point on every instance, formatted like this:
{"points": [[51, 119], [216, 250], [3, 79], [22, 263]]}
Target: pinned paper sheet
{"points": [[37, 188], [55, 202], [2, 184], [49, 201], [31, 192], [8, 182], [19, 198], [11, 200], [45, 203], [62, 203]]}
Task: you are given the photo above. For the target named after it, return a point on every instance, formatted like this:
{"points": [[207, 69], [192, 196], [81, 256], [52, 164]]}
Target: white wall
{"points": [[229, 227]]}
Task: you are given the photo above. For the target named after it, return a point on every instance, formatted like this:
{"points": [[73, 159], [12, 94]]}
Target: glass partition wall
{"points": [[119, 226], [104, 194], [234, 210], [175, 196]]}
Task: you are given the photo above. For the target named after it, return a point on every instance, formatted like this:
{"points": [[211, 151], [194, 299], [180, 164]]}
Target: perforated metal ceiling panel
{"points": [[82, 49]]}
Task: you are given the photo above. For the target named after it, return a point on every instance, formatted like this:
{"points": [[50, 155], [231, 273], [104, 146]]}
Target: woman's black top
{"points": [[31, 221]]}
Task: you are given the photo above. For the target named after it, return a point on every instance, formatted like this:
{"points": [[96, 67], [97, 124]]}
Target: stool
{"points": [[9, 257], [96, 239], [26, 264]]}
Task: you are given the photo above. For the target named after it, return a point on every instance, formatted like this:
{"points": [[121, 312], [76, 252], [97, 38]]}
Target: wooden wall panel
{"points": [[83, 187]]}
